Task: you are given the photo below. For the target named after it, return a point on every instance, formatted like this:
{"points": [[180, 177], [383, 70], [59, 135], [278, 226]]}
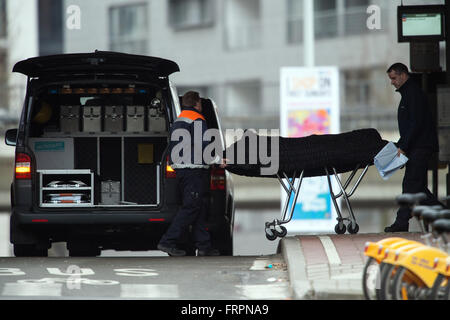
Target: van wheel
{"points": [[30, 250]]}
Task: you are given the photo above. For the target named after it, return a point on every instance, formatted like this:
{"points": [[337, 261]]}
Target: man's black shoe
{"points": [[208, 252], [397, 228], [171, 251]]}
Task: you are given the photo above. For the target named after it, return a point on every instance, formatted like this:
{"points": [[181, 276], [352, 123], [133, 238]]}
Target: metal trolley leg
{"points": [[275, 229], [340, 227]]}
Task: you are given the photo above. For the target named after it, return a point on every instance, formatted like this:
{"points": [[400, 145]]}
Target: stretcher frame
{"points": [[291, 186]]}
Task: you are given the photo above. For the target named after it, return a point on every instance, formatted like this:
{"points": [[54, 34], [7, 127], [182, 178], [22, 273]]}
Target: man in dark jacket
{"points": [[192, 174], [418, 140]]}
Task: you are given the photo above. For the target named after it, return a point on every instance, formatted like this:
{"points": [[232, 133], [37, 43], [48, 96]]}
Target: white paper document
{"points": [[387, 161]]}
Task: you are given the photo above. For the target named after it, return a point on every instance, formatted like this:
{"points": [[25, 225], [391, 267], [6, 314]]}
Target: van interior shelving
{"points": [[112, 139]]}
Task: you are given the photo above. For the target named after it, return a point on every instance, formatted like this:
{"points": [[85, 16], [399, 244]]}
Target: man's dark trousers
{"points": [[193, 185], [415, 180]]}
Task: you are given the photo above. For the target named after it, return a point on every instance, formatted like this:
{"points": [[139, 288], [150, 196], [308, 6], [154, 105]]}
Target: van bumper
{"points": [[27, 218]]}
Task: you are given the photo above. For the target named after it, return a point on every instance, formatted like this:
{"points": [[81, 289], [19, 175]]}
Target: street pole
{"points": [[308, 33], [447, 71]]}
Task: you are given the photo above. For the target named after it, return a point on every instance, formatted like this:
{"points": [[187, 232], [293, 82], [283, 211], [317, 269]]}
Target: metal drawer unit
{"points": [[80, 185]]}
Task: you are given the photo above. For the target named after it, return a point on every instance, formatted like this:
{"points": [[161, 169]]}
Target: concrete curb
{"points": [[326, 288], [293, 255]]}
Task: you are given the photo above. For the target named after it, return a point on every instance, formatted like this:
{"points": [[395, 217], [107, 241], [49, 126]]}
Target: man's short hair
{"points": [[399, 68], [190, 99]]}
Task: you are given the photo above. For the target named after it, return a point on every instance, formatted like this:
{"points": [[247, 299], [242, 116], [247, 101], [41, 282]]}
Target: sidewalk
{"points": [[329, 267]]}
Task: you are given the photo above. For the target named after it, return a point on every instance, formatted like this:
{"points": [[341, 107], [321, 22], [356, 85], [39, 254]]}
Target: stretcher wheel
{"points": [[270, 235], [340, 230], [283, 232], [352, 230]]}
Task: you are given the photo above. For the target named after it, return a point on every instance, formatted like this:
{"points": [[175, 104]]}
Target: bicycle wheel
{"points": [[438, 291], [371, 279], [406, 286], [387, 271]]}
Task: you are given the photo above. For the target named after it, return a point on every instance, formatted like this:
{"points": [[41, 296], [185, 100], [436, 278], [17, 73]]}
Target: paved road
{"points": [[144, 278]]}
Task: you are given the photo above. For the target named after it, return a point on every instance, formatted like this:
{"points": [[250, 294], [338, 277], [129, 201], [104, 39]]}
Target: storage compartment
{"points": [[116, 134], [66, 188], [141, 169]]}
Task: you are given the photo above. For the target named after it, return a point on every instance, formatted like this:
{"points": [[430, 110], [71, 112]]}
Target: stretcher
{"points": [[299, 158]]}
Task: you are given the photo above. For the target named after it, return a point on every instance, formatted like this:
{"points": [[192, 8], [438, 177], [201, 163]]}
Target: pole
{"points": [[447, 71], [308, 33]]}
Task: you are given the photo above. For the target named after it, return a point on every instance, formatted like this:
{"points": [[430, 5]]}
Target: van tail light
{"points": [[170, 172], [23, 166], [217, 179]]}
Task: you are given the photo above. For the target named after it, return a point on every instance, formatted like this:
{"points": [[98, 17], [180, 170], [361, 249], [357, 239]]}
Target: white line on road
{"points": [[264, 291], [149, 291], [32, 289], [330, 250]]}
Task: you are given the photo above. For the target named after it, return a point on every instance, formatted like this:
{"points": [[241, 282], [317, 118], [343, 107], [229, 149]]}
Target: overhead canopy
{"points": [[95, 62]]}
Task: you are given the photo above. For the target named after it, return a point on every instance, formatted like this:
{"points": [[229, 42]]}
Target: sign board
{"points": [[310, 105], [421, 23]]}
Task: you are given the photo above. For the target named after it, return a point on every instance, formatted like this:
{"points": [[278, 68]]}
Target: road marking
{"points": [[32, 289], [264, 291], [148, 291], [330, 250], [259, 264]]}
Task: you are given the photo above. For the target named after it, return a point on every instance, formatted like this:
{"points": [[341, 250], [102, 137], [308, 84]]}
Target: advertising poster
{"points": [[310, 105]]}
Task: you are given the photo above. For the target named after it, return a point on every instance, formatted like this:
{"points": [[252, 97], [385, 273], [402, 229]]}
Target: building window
{"points": [[242, 24], [191, 13], [51, 36], [332, 18], [243, 99], [367, 99], [294, 21], [128, 28], [3, 22]]}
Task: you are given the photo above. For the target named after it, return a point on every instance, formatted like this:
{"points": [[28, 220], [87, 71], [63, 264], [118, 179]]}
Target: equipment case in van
{"points": [[156, 121], [92, 121], [113, 119], [70, 119], [135, 118]]}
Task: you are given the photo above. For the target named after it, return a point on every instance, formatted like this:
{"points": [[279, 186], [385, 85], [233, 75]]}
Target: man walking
{"points": [[192, 179], [418, 140]]}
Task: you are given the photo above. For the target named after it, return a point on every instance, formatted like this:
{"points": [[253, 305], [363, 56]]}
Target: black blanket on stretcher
{"points": [[311, 154]]}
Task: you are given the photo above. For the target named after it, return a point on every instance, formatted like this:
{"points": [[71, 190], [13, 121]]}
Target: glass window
{"points": [[326, 19], [295, 21], [128, 28], [357, 3], [190, 13], [3, 22], [50, 27]]}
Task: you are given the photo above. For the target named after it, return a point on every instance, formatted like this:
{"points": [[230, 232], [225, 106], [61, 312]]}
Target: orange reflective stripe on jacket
{"points": [[189, 114]]}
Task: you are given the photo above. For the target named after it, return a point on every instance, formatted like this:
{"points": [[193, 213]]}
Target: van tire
{"points": [[30, 250]]}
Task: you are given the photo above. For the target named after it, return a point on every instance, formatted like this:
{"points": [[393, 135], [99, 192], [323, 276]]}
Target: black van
{"points": [[91, 157]]}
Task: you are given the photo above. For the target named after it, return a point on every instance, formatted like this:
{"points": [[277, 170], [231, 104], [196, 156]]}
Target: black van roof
{"points": [[97, 62]]}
